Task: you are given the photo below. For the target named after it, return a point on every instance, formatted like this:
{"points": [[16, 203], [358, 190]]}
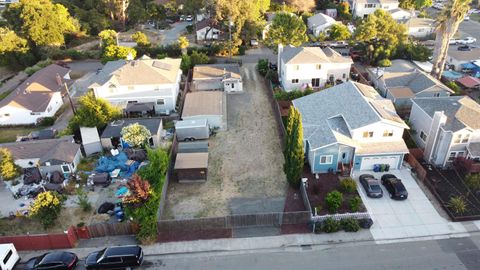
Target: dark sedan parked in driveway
{"points": [[58, 260], [395, 187], [371, 186]]}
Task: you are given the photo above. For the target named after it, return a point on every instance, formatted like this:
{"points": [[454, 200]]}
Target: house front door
{"points": [[345, 158]]}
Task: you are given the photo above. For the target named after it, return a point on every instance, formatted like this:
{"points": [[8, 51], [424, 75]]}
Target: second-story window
{"points": [[465, 138], [388, 133], [458, 138], [296, 67], [294, 80], [368, 134], [318, 66]]}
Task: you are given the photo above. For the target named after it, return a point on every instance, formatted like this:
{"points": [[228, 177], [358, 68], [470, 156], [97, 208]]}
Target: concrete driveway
{"points": [[170, 36], [414, 217]]}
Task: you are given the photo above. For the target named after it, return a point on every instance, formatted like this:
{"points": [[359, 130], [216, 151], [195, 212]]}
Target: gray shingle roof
{"points": [[339, 109], [312, 55], [55, 151], [113, 129], [461, 111], [320, 19]]}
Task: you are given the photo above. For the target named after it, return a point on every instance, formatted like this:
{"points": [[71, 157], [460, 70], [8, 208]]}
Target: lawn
{"points": [[9, 134]]}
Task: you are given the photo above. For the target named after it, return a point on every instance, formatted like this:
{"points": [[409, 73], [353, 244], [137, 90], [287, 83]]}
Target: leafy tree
{"points": [[339, 31], [136, 135], [156, 12], [454, 86], [343, 10], [46, 208], [286, 29], [140, 191], [8, 169], [14, 50], [117, 9], [413, 51], [240, 12], [195, 58], [108, 37], [301, 5], [141, 39], [415, 4], [384, 63], [41, 22], [193, 6], [262, 66], [448, 21], [114, 52], [380, 35], [93, 112], [293, 153]]}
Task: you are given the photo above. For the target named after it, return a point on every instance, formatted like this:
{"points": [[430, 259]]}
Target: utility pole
{"points": [[230, 38], [70, 98]]}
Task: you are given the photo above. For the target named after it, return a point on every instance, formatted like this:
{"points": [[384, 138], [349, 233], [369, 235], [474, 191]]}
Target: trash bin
{"points": [[376, 167], [382, 167], [387, 167]]}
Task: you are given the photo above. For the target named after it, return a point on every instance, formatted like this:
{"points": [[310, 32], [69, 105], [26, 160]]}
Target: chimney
{"points": [[59, 79]]}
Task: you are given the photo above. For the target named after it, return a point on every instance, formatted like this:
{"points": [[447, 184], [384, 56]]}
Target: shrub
{"points": [[284, 95], [365, 223], [348, 185], [350, 224], [472, 181], [47, 121], [272, 76], [355, 203], [457, 204], [262, 67], [83, 201], [8, 169], [331, 225], [241, 50], [384, 63], [333, 201], [454, 86], [189, 28], [46, 208]]}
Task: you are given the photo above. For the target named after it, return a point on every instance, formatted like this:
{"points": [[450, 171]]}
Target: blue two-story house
{"points": [[350, 126]]}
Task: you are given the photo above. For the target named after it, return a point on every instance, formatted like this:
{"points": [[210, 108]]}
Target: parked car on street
{"points": [[395, 187], [58, 260], [338, 44], [189, 18], [438, 6], [371, 186], [120, 257], [464, 48], [467, 40], [452, 41]]}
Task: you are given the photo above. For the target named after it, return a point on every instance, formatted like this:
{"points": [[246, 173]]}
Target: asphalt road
{"points": [[460, 253], [170, 36]]}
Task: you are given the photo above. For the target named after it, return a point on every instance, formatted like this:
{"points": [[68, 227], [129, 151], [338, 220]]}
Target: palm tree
{"points": [[448, 21]]}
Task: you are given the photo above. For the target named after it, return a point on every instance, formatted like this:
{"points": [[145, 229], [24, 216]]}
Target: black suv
{"points": [[395, 187], [115, 258]]}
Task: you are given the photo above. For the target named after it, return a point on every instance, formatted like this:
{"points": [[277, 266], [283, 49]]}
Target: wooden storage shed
{"points": [[191, 167]]}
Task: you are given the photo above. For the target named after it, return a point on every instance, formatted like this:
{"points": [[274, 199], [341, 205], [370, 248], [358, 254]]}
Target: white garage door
{"points": [[368, 162]]}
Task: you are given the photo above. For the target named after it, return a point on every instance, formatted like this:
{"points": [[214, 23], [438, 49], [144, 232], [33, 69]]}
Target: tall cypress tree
{"points": [[294, 156]]}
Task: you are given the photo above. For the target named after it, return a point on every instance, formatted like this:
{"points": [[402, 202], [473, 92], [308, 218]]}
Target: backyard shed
{"points": [[111, 136], [90, 140], [191, 167], [209, 105]]}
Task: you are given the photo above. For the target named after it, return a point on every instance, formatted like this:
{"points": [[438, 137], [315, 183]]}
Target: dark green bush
{"points": [[333, 201], [284, 95], [47, 121], [348, 185], [355, 203], [272, 76], [262, 67], [350, 224], [331, 225]]}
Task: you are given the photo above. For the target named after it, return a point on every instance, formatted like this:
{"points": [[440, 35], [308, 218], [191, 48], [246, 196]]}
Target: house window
{"points": [[233, 85], [318, 66], [296, 67], [423, 136], [316, 82], [458, 138], [421, 30], [331, 78], [436, 94], [385, 7], [388, 133], [160, 102], [369, 5], [35, 113], [132, 101], [7, 114], [112, 88], [452, 156], [326, 159], [465, 138], [460, 154], [294, 80], [344, 75], [66, 169], [368, 134]]}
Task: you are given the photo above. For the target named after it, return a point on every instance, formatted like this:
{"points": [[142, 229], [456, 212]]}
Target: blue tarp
{"points": [[452, 75], [469, 66], [108, 164]]}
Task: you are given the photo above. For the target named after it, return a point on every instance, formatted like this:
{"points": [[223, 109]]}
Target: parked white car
{"points": [[467, 40], [466, 18], [452, 41], [438, 6]]}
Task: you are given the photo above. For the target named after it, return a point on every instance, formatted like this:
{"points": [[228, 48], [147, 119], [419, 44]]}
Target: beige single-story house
{"points": [[224, 77]]}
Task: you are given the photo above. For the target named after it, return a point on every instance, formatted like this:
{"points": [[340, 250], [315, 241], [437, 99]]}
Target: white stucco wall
{"points": [[420, 32], [421, 122], [378, 129], [212, 34], [12, 115], [306, 72], [359, 9]]}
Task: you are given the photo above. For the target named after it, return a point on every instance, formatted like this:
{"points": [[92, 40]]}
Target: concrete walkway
{"points": [[13, 82]]}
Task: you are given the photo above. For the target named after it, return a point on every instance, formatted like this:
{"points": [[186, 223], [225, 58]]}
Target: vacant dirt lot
{"points": [[245, 162]]}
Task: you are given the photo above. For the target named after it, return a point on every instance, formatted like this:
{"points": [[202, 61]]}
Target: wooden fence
{"points": [[276, 110], [417, 168], [42, 241], [111, 229]]}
